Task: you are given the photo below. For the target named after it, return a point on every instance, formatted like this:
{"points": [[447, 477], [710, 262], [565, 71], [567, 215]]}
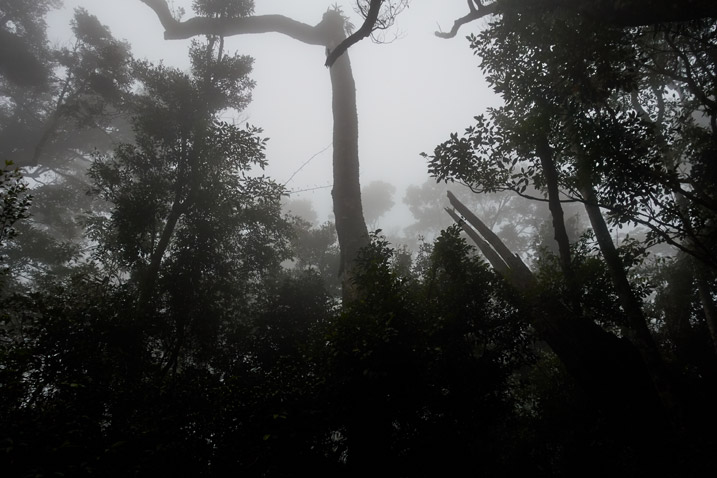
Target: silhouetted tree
{"points": [[50, 128], [329, 33]]}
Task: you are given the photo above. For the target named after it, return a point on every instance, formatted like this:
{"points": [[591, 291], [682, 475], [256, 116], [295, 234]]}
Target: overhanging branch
{"points": [[176, 30]]}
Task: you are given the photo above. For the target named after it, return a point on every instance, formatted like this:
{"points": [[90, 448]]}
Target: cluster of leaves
{"points": [[600, 96], [50, 128], [223, 8], [14, 204], [14, 201], [76, 103], [422, 361], [22, 30]]}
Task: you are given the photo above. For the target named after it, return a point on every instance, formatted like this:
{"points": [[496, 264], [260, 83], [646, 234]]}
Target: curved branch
{"points": [[363, 32], [176, 30]]}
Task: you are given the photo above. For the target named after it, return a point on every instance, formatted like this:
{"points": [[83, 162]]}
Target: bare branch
{"points": [[476, 12], [521, 276], [498, 264]]}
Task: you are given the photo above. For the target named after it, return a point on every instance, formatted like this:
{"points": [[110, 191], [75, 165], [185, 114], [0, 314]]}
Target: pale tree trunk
{"points": [[486, 249], [518, 273], [329, 33]]}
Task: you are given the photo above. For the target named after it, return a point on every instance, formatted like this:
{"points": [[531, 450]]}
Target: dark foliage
{"points": [[161, 336]]}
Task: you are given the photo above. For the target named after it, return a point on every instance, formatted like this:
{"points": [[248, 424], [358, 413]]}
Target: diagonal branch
{"points": [[358, 35], [498, 264], [476, 12], [522, 277]]}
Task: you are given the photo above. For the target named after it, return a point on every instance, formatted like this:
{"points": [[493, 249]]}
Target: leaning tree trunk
{"points": [[636, 327], [329, 33]]}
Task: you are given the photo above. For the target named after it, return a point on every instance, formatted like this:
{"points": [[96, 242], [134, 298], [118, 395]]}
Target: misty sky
{"points": [[411, 92]]}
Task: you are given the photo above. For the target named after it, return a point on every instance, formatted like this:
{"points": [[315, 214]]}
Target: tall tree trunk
{"points": [[346, 193], [545, 154]]}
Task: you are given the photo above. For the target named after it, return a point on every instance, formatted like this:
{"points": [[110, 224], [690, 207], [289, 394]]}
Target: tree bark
{"points": [[348, 212]]}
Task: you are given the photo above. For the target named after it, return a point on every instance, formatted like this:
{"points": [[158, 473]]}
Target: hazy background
{"points": [[412, 92]]}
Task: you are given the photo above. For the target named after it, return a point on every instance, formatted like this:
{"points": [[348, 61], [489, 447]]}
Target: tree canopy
{"points": [[165, 310]]}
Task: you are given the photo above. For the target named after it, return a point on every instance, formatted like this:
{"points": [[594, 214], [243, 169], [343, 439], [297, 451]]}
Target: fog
{"points": [[201, 278], [412, 91]]}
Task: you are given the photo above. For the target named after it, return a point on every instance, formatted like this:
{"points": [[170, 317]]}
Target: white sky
{"points": [[412, 93]]}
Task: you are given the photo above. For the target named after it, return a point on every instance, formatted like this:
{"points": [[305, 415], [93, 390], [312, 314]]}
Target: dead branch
{"points": [[520, 274], [493, 258]]}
